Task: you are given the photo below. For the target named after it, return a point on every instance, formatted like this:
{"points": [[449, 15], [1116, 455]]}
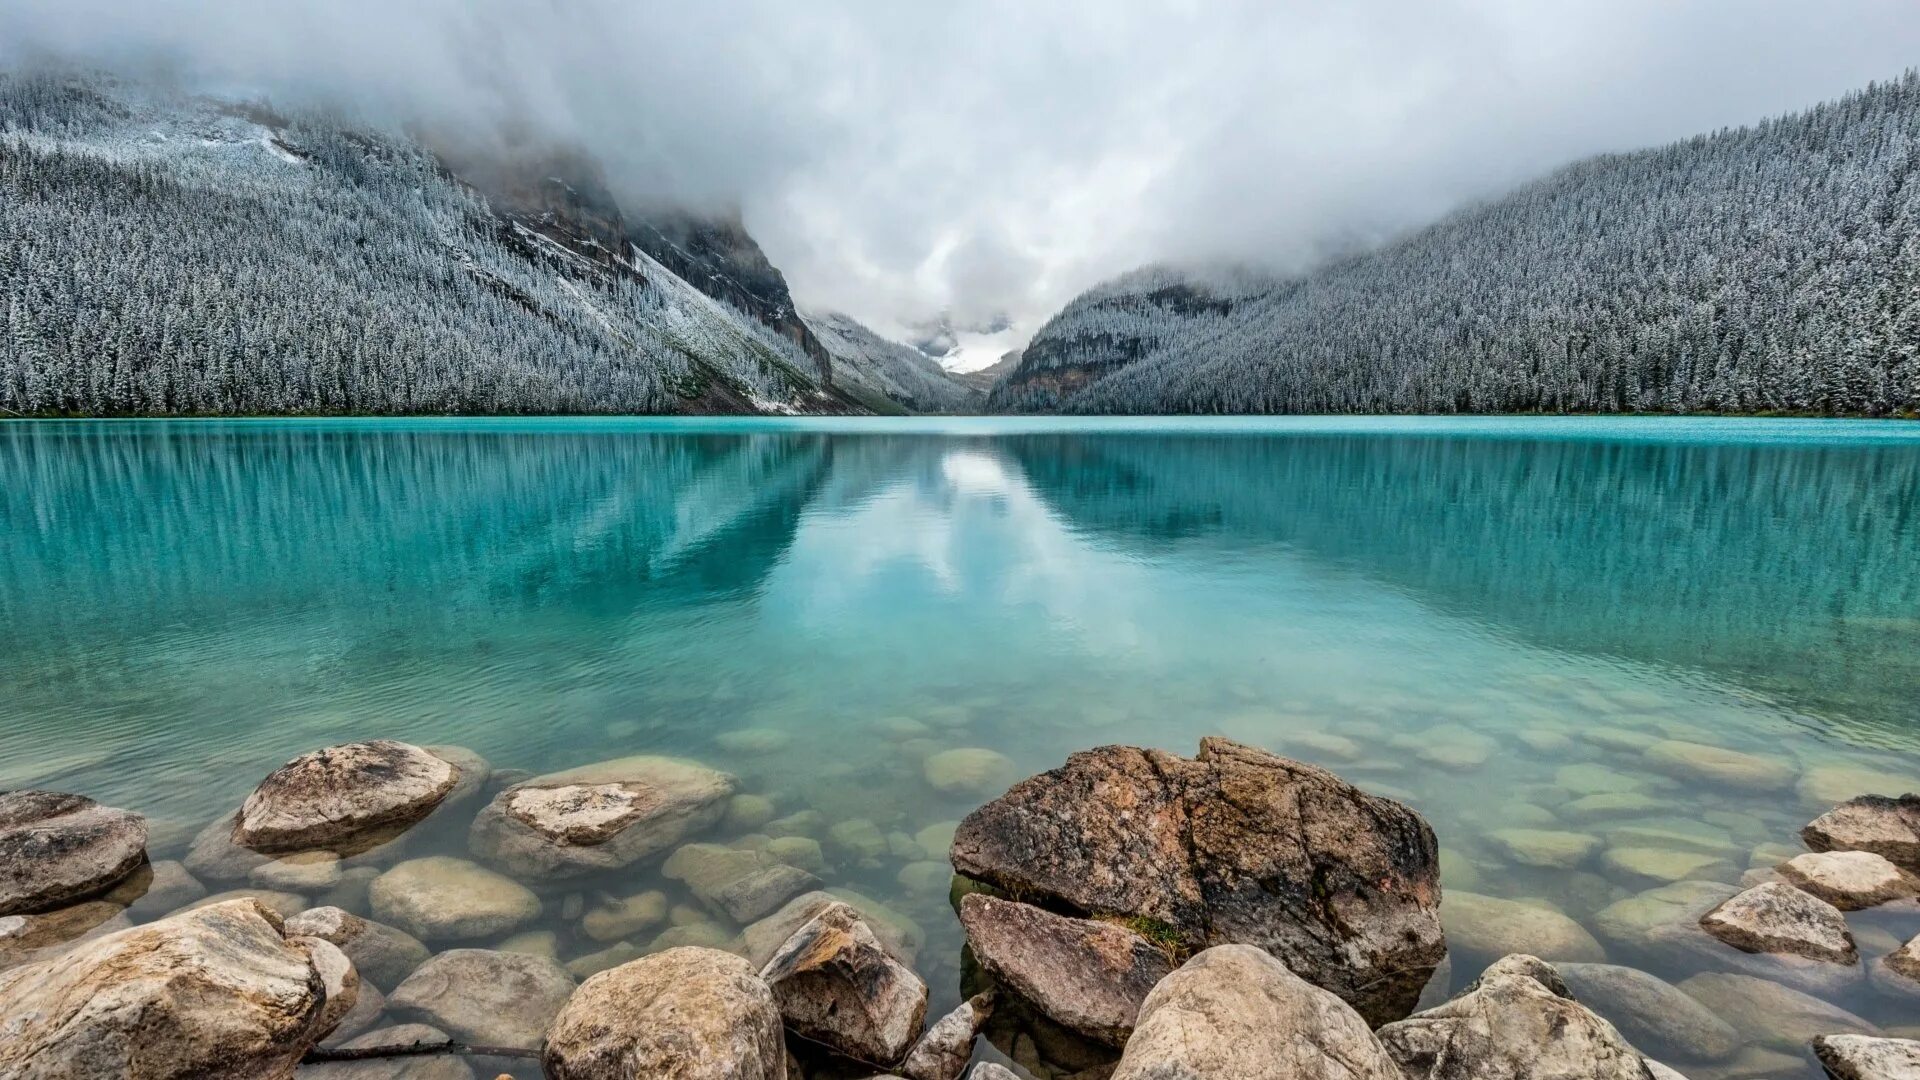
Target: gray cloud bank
{"points": [[897, 159]]}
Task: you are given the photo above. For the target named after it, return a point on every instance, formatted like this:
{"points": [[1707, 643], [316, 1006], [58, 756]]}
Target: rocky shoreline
{"points": [[1131, 915]]}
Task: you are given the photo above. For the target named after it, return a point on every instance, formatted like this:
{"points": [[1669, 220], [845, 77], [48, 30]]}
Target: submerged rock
{"points": [[764, 937], [970, 770], [433, 1067], [1518, 1021], [691, 1014], [483, 996], [624, 917], [382, 954], [1850, 880], [344, 797], [57, 849], [599, 817], [1862, 1057], [1656, 1015], [1886, 826], [441, 898], [836, 985], [1233, 1012], [1719, 765], [1488, 926], [338, 979], [1769, 1014], [217, 992], [1778, 918], [1085, 975], [1236, 845], [1549, 848], [747, 885]]}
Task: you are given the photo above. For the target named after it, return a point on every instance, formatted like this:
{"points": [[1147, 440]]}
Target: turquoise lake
{"points": [[1488, 619]]}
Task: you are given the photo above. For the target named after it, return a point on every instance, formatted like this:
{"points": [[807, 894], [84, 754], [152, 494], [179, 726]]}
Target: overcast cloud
{"points": [[899, 158]]}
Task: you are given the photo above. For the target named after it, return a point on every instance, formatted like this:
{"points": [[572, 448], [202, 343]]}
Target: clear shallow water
{"points": [[1474, 606]]}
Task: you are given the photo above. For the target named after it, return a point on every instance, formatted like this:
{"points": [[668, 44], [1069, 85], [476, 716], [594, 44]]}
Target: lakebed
{"points": [[1602, 658]]}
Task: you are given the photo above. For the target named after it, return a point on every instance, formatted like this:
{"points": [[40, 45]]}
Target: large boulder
{"points": [[382, 954], [1233, 1012], [687, 1013], [56, 849], [1086, 975], [1862, 1057], [1850, 880], [213, 993], [1518, 1021], [836, 985], [1775, 917], [1235, 845], [441, 898], [1657, 1016], [1885, 826], [599, 817], [344, 797], [483, 996]]}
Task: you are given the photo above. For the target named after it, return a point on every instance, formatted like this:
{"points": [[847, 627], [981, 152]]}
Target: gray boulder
{"points": [[1088, 976], [836, 985], [1657, 1016], [1518, 1021], [599, 817], [441, 898], [1233, 1012], [56, 849], [1235, 845], [214, 993], [687, 1013], [345, 798], [1767, 1014], [1777, 918], [483, 996], [1862, 1057]]}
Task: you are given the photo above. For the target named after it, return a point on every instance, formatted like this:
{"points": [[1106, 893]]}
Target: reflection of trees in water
{"points": [[137, 528], [1789, 570]]}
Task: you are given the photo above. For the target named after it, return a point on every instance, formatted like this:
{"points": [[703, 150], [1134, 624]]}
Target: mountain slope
{"points": [[166, 256], [899, 373], [983, 379], [1775, 267]]}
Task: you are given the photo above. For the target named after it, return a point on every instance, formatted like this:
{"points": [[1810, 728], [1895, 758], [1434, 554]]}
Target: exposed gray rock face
{"points": [[483, 996], [687, 1013], [599, 817], [441, 898], [1655, 1015], [1233, 1012], [56, 849], [943, 1051], [1861, 1057], [1885, 826], [1236, 845], [1518, 1021], [836, 985], [1850, 880], [436, 1067], [382, 954], [344, 798], [1777, 918], [1085, 975], [216, 993]]}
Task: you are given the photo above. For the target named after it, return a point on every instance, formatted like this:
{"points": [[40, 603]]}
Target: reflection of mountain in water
{"points": [[187, 523], [1787, 570]]}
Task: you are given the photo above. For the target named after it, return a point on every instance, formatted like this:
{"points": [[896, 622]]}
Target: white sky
{"points": [[897, 159]]}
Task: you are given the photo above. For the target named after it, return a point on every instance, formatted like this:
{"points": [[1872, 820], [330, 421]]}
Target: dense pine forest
{"points": [[1769, 268], [168, 256]]}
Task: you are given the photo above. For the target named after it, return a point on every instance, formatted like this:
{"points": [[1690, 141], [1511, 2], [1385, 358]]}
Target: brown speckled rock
{"points": [[342, 797], [1518, 1021], [599, 817], [1085, 975], [56, 849], [1885, 826], [1235, 845], [836, 985], [1778, 918], [943, 1051], [1863, 1057], [1233, 1012], [688, 1013], [1850, 880], [214, 993]]}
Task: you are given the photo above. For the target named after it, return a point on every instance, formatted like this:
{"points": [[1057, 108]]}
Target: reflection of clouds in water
{"points": [[970, 528]]}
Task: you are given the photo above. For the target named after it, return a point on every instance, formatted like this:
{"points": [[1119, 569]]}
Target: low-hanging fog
{"points": [[987, 157]]}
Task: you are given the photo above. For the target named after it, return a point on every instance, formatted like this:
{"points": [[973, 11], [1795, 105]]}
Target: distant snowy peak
{"points": [[863, 361]]}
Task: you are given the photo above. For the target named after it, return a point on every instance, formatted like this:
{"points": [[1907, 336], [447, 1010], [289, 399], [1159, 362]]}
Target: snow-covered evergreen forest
{"points": [[1771, 267], [904, 375], [177, 256]]}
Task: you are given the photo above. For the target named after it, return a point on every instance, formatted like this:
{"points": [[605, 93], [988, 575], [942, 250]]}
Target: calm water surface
{"points": [[1493, 617]]}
